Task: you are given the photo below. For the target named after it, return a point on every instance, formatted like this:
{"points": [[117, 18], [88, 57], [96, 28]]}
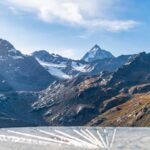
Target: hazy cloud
{"points": [[90, 14]]}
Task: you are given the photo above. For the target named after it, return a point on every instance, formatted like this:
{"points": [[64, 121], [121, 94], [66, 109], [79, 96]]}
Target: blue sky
{"points": [[71, 27]]}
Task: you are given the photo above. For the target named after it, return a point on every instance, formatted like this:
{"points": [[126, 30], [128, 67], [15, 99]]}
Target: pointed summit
{"points": [[96, 53], [95, 48], [7, 49]]}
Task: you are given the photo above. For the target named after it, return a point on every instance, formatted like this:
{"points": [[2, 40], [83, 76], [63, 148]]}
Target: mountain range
{"points": [[64, 68], [97, 90]]}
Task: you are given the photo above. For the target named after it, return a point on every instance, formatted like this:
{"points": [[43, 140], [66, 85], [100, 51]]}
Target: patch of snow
{"points": [[81, 67], [55, 69], [17, 68], [10, 65], [102, 54], [16, 57], [86, 59], [95, 49], [2, 59], [103, 82], [128, 63], [12, 50], [58, 73], [3, 81], [2, 97], [43, 63]]}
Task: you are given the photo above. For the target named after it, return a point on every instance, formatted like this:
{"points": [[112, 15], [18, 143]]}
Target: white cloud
{"points": [[90, 14], [113, 25]]}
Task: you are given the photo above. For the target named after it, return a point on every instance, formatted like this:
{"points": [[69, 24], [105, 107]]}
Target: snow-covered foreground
{"points": [[74, 138]]}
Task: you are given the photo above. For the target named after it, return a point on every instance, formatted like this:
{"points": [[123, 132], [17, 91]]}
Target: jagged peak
{"points": [[8, 50], [95, 48], [41, 54], [6, 44], [135, 57], [96, 53]]}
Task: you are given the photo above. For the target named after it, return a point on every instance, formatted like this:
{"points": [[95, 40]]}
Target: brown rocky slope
{"points": [[100, 100]]}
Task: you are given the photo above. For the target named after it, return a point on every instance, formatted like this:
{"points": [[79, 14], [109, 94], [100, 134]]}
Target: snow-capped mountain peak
{"points": [[96, 53]]}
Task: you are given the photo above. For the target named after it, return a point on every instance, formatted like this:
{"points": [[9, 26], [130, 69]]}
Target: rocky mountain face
{"points": [[89, 100], [21, 72], [96, 53]]}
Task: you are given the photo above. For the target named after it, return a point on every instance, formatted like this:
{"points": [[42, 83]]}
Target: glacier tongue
{"points": [[55, 69]]}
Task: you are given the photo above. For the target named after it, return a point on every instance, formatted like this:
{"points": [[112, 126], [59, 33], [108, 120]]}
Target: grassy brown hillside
{"points": [[135, 112]]}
